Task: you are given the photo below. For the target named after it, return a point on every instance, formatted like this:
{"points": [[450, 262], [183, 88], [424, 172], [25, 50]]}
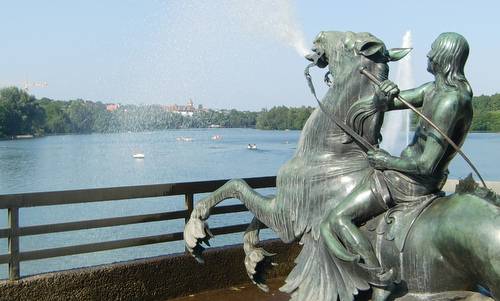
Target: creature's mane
{"points": [[469, 186]]}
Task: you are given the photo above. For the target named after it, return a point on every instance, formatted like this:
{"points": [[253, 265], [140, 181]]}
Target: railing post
{"points": [[189, 202], [13, 217]]}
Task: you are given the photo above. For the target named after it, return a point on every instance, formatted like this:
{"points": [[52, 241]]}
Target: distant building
{"points": [[112, 107], [187, 110]]}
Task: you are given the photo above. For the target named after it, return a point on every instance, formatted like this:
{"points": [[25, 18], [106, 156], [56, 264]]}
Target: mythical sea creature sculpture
{"points": [[441, 249]]}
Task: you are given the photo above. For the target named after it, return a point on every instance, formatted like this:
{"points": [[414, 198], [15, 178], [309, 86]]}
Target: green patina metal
{"points": [[367, 219]]}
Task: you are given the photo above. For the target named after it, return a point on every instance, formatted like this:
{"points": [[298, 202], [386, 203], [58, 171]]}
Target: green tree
{"points": [[281, 118], [20, 113], [57, 121]]}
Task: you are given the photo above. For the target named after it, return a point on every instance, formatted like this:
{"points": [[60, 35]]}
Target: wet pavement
{"points": [[242, 292]]}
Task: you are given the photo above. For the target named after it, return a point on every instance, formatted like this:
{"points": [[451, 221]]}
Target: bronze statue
{"points": [[426, 247]]}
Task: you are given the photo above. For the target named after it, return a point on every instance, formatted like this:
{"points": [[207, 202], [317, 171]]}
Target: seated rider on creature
{"points": [[421, 170]]}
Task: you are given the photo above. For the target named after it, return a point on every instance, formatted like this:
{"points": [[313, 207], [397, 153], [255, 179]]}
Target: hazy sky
{"points": [[222, 54]]}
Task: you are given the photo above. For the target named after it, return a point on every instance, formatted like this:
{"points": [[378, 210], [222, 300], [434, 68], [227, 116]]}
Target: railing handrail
{"points": [[13, 202], [63, 197]]}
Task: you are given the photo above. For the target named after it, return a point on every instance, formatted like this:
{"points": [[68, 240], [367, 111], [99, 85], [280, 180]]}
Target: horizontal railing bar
{"points": [[4, 233], [451, 184], [114, 221], [119, 193], [228, 209], [116, 244], [100, 246], [229, 229], [100, 223]]}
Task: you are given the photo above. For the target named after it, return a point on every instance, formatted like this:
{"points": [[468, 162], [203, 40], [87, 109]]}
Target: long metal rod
{"points": [[448, 139]]}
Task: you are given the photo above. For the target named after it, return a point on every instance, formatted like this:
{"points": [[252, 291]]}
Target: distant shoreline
{"points": [[24, 115], [159, 130]]}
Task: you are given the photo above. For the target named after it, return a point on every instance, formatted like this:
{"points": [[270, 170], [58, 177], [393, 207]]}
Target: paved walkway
{"points": [[243, 292]]}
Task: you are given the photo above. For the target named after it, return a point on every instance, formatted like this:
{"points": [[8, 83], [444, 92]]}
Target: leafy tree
{"points": [[19, 113], [281, 118], [57, 120]]}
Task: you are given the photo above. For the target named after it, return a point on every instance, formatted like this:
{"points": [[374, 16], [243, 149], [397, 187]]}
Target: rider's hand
{"points": [[385, 93], [378, 158]]}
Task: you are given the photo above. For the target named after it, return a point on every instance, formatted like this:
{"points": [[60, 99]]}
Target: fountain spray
{"points": [[396, 129]]}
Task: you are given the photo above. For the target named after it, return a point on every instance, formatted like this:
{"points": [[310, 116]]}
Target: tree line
{"points": [[486, 113], [21, 114]]}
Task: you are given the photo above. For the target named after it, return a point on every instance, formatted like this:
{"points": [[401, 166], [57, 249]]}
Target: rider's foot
{"points": [[335, 246], [378, 275]]}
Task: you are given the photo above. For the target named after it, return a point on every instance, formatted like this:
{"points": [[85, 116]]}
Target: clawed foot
{"points": [[257, 262], [196, 232]]}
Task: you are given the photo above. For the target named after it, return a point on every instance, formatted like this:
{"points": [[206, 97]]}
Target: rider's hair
{"points": [[450, 52]]}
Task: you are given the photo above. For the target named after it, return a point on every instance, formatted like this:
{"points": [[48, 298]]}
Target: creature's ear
{"points": [[320, 37], [368, 48], [395, 54], [350, 40]]}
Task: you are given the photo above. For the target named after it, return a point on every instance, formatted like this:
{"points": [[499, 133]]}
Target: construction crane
{"points": [[28, 85]]}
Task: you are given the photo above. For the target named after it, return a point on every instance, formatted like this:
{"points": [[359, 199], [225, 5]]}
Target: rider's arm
{"points": [[414, 96], [445, 117]]}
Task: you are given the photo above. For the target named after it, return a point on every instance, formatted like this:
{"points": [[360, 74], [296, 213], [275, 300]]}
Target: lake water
{"points": [[105, 160]]}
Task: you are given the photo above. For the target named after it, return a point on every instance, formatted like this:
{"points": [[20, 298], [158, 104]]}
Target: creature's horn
{"points": [[395, 54]]}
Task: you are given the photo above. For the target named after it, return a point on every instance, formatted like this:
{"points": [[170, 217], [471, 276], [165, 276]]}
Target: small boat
{"points": [[252, 146], [138, 156], [216, 137], [24, 136], [184, 139]]}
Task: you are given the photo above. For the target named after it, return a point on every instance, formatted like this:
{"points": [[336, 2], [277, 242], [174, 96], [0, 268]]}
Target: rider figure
{"points": [[421, 170]]}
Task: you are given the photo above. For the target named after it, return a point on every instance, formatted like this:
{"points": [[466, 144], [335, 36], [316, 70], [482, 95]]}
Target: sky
{"points": [[239, 54]]}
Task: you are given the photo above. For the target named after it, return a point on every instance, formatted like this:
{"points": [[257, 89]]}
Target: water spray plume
{"points": [[274, 19], [396, 129]]}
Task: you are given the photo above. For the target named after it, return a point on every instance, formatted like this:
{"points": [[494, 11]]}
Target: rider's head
{"points": [[447, 57]]}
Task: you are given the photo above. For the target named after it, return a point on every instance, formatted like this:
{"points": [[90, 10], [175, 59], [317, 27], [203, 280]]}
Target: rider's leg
{"points": [[358, 207]]}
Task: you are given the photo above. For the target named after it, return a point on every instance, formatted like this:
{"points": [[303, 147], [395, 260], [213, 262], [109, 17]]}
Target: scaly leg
{"points": [[257, 260], [196, 230]]}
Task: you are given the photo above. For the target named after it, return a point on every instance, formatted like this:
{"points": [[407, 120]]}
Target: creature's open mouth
{"points": [[317, 56], [313, 57]]}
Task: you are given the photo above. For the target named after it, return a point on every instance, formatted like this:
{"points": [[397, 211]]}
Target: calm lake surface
{"points": [[105, 160]]}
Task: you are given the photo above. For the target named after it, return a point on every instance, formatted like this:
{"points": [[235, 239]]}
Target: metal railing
{"points": [[13, 202]]}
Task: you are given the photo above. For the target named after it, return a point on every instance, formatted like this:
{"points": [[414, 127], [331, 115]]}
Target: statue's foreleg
{"points": [[196, 230], [261, 206], [257, 260]]}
